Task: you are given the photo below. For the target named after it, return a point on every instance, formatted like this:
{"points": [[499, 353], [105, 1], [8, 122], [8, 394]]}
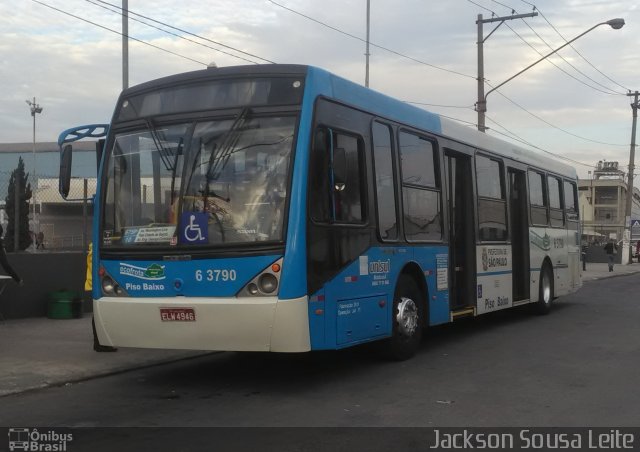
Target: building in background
{"points": [[602, 199], [65, 224]]}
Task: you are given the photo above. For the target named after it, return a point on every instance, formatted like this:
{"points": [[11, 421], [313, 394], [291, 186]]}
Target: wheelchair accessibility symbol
{"points": [[193, 228]]}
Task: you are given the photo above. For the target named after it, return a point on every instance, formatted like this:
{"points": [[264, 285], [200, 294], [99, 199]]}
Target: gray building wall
{"points": [[43, 273]]}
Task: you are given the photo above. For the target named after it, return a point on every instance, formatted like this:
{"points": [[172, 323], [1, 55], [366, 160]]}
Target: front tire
{"points": [[407, 321], [545, 292]]}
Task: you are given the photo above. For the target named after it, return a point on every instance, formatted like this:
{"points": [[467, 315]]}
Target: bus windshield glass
{"points": [[200, 183]]}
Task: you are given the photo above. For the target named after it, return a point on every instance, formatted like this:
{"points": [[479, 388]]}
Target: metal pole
{"points": [[616, 24], [84, 215], [627, 227], [35, 109], [125, 44], [481, 105], [16, 213], [366, 76], [35, 177]]}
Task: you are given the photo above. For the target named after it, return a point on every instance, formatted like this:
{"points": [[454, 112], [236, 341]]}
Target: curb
{"points": [[95, 376]]}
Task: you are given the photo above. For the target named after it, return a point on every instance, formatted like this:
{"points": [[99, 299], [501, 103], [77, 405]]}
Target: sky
{"points": [[573, 104]]}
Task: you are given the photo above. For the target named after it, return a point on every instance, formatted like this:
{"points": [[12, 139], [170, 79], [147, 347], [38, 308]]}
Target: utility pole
{"points": [[125, 44], [481, 105], [35, 109], [366, 74], [632, 152]]}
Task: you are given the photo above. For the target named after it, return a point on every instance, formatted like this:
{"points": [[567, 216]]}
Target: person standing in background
{"points": [[611, 248]]}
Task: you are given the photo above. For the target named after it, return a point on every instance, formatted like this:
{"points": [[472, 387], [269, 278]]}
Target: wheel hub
{"points": [[407, 316]]}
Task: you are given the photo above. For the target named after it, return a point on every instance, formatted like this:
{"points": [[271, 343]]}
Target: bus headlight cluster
{"points": [[109, 286], [265, 283]]}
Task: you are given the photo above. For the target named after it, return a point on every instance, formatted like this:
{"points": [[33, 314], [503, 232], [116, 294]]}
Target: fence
{"points": [[50, 223]]}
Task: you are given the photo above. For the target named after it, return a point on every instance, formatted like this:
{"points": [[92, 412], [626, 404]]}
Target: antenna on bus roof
{"points": [[212, 65]]}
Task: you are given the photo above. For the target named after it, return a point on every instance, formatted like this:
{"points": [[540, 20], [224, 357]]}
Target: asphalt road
{"points": [[578, 366]]}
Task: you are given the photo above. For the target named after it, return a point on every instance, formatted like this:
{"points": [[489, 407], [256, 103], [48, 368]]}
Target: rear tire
{"points": [[545, 292], [407, 321]]}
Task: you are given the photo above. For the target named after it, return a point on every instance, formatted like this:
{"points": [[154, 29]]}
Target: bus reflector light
{"points": [[275, 268], [101, 272], [319, 311]]}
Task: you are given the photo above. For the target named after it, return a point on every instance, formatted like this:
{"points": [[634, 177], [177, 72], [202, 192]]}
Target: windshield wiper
{"points": [[175, 166], [164, 153], [217, 163]]}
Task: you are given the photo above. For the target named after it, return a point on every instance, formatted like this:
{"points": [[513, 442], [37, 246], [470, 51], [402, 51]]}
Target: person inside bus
{"points": [[5, 262], [611, 248]]}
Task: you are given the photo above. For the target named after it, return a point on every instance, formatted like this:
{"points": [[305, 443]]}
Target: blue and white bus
{"points": [[282, 208]]}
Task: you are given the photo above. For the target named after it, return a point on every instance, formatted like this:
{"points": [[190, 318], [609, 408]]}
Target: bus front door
{"points": [[461, 232]]}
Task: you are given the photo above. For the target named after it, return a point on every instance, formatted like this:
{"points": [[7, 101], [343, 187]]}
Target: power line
{"points": [[493, 13], [469, 107], [514, 136], [190, 34], [556, 127], [370, 43], [119, 33], [169, 32], [572, 66], [575, 50], [559, 68], [609, 92], [534, 115], [513, 11]]}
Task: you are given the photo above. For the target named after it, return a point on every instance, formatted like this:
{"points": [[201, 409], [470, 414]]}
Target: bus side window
{"points": [[538, 199], [336, 178]]}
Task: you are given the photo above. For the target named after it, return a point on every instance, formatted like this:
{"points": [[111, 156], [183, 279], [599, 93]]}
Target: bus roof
{"points": [[388, 107], [322, 82]]}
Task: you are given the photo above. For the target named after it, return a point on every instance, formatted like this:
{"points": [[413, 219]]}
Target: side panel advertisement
{"points": [[494, 290]]}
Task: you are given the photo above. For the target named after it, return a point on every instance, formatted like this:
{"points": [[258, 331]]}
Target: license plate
{"points": [[177, 315]]}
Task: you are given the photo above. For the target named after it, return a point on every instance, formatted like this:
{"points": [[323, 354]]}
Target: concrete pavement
{"points": [[41, 352]]}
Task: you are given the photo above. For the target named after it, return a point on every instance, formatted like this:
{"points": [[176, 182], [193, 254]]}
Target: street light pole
{"points": [[125, 44], [366, 75], [35, 108], [480, 105], [616, 24], [627, 248]]}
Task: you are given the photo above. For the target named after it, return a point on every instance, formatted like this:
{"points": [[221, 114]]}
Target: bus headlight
{"points": [[268, 283], [108, 285], [264, 283]]}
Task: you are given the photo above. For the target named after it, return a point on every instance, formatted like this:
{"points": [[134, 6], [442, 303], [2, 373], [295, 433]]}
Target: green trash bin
{"points": [[64, 304]]}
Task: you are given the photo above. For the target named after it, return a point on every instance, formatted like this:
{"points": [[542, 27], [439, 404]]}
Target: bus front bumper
{"points": [[226, 324]]}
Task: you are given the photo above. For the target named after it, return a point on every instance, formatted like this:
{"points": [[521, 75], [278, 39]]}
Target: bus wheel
{"points": [[407, 321], [545, 295]]}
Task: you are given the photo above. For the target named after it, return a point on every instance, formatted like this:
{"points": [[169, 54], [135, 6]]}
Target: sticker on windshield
{"points": [[154, 234], [193, 228]]}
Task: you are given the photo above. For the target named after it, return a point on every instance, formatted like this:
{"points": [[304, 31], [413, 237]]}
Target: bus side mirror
{"points": [[65, 171]]}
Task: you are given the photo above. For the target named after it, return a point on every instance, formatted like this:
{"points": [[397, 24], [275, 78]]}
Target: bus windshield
{"points": [[198, 183]]}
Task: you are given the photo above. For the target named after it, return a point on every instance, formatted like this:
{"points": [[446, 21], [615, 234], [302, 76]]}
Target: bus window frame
{"points": [[502, 200], [559, 222], [576, 206], [397, 196], [536, 208], [436, 189], [364, 198]]}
